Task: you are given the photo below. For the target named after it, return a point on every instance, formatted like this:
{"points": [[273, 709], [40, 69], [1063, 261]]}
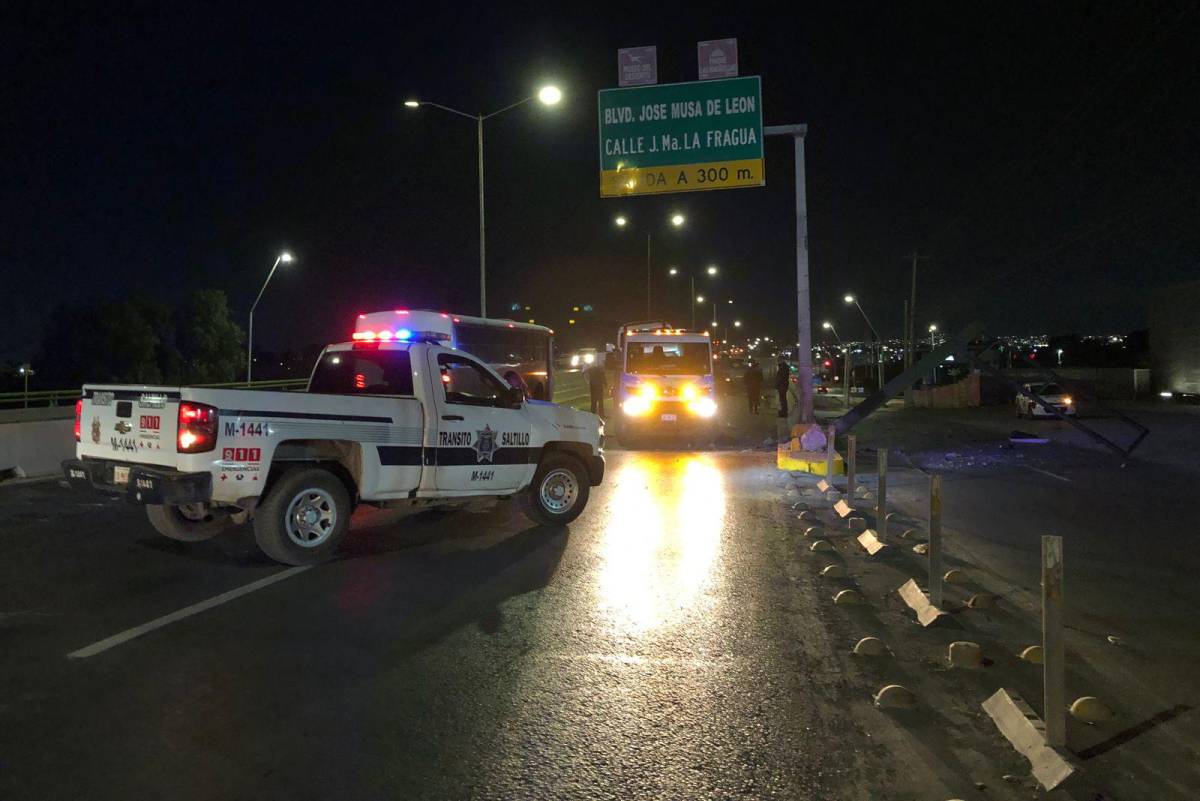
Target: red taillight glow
{"points": [[360, 381], [78, 417], [197, 428]]}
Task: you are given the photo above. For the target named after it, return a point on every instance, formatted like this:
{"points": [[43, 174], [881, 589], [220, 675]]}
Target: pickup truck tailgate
{"points": [[129, 424]]}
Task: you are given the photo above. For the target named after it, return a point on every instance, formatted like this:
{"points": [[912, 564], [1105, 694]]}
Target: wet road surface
{"points": [[659, 648]]}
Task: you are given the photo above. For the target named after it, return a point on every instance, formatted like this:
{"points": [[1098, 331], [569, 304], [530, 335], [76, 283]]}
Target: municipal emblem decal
{"points": [[96, 430], [485, 445]]}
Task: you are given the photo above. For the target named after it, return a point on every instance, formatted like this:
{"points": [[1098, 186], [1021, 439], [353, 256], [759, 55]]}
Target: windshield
{"points": [[363, 372], [666, 358]]}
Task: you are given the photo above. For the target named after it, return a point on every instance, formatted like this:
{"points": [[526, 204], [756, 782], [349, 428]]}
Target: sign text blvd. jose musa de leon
{"points": [[682, 137]]}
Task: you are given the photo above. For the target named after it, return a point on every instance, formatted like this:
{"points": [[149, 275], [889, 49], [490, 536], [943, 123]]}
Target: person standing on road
{"points": [[783, 377], [596, 383], [753, 379]]}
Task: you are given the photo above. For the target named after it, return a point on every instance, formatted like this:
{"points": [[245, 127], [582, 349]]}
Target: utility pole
{"points": [[910, 331]]}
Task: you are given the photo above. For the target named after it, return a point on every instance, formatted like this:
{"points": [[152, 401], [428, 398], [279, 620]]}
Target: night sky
{"points": [[1043, 158]]}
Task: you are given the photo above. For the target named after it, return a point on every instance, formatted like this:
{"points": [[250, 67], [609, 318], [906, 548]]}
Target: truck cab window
{"points": [[363, 372], [466, 382]]}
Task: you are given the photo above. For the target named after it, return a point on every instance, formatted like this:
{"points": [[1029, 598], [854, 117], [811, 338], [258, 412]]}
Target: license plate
{"points": [[120, 475], [668, 418]]}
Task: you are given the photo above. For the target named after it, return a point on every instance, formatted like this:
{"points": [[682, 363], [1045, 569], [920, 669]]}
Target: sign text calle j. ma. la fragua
{"points": [[682, 137]]}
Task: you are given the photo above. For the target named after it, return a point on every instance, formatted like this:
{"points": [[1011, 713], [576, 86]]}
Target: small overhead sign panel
{"points": [[637, 66], [682, 137], [718, 58]]}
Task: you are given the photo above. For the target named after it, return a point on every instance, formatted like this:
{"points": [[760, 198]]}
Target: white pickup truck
{"points": [[386, 423]]}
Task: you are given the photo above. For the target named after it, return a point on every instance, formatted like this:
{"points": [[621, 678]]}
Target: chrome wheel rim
{"points": [[311, 518], [559, 491]]}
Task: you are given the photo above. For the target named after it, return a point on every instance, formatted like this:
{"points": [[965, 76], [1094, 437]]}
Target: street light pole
{"points": [[549, 96], [874, 336], [25, 370], [845, 363], [282, 257]]}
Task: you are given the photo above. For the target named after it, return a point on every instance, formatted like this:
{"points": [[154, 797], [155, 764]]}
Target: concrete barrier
{"points": [[35, 448]]}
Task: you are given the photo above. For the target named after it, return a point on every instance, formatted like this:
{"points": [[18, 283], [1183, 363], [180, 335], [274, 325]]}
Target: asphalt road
{"points": [[661, 647]]}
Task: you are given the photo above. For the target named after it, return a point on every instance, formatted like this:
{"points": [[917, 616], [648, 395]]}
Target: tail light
{"points": [[197, 428], [78, 417]]}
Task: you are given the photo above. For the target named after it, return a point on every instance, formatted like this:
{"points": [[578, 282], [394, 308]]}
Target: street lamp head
{"points": [[620, 221], [737, 323], [827, 325], [730, 301], [678, 220], [673, 271], [549, 95], [285, 257], [412, 103], [932, 328], [849, 298], [699, 298], [712, 269]]}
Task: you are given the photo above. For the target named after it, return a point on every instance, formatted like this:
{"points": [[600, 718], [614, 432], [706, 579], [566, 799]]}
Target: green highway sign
{"points": [[681, 137]]}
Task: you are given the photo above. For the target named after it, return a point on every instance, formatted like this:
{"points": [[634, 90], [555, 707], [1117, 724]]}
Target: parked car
{"points": [[1053, 394]]}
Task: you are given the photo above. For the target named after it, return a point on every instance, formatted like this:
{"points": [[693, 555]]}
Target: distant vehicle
{"points": [[730, 372], [1053, 394], [585, 357], [391, 419], [666, 385]]}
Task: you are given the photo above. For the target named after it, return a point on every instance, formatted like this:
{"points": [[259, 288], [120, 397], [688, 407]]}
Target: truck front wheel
{"points": [[303, 517], [559, 491], [191, 522]]}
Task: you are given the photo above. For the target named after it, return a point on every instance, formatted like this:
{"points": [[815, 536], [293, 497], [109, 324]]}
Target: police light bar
{"points": [[402, 325]]}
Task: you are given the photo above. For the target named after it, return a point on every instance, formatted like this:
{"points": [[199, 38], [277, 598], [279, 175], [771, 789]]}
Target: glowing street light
{"points": [[673, 271], [548, 96], [699, 298], [678, 220], [620, 221], [737, 323], [283, 258], [712, 269]]}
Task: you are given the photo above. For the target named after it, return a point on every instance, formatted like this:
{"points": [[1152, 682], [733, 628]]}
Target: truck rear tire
{"points": [[303, 517], [559, 491], [192, 522]]}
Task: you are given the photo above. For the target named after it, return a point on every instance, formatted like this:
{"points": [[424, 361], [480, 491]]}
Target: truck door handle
{"points": [[452, 417]]}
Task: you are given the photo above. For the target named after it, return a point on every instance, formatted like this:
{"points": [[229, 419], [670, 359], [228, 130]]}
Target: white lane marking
{"points": [[1048, 473], [188, 611]]}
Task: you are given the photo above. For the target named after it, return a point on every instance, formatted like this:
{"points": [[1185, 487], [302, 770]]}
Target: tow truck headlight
{"points": [[648, 391], [702, 407], [589, 358], [575, 360], [635, 405]]}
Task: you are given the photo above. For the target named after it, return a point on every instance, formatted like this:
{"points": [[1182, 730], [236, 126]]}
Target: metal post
{"points": [[1053, 658], [803, 312], [851, 464], [693, 301], [935, 540], [482, 228], [25, 375], [647, 276], [830, 434], [881, 509]]}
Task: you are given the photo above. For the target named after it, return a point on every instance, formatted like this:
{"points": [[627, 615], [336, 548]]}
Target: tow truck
{"points": [[395, 417], [666, 386]]}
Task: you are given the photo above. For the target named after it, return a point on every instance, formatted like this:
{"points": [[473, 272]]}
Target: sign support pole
{"points": [[803, 309]]}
